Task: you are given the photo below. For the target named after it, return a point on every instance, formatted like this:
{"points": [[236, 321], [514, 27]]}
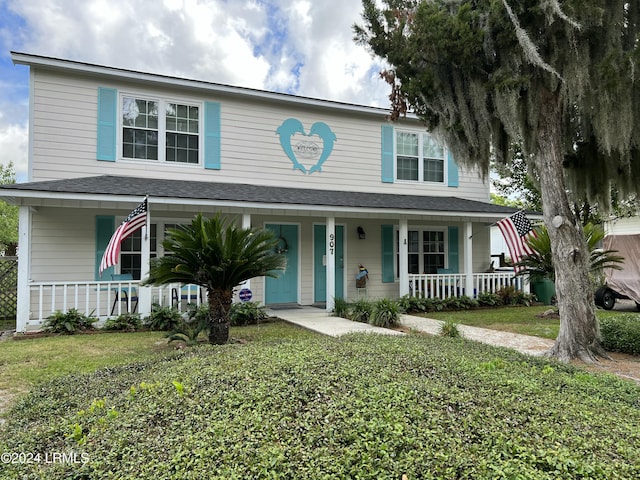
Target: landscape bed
{"points": [[361, 406]]}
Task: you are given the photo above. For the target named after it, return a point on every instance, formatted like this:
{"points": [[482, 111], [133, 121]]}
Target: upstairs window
{"points": [[159, 130], [419, 158]]}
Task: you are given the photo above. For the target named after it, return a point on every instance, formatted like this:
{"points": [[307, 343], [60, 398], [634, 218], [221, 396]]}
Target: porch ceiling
{"points": [[114, 190]]}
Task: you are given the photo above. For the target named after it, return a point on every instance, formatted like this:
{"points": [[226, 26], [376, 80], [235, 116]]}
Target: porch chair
{"points": [[123, 293], [188, 292]]}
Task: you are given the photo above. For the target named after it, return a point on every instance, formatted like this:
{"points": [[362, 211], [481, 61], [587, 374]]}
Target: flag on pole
{"points": [[515, 230], [134, 221]]}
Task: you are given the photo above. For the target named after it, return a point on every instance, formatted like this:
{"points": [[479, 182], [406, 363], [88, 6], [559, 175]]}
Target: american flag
{"points": [[134, 221], [515, 230]]}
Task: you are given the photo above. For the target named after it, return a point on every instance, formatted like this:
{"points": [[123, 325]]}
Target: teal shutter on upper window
{"points": [[388, 262], [387, 153], [452, 171], [107, 124], [105, 226], [212, 136], [453, 250]]}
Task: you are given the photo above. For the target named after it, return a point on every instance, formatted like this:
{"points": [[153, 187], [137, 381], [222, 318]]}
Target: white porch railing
{"points": [[454, 284], [103, 299]]}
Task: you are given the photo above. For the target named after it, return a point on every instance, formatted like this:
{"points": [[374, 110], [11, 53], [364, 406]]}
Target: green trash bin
{"points": [[544, 290]]}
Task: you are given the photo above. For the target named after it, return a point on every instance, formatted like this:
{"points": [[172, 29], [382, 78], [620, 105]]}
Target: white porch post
{"points": [[144, 293], [468, 259], [246, 223], [24, 267], [403, 263], [331, 263]]}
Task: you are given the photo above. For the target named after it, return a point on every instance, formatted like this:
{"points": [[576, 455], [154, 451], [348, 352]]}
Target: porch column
{"points": [[24, 267], [331, 263], [468, 259], [403, 263], [246, 223], [144, 293]]}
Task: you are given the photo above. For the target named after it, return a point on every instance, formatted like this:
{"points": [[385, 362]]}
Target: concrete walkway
{"points": [[319, 320]]}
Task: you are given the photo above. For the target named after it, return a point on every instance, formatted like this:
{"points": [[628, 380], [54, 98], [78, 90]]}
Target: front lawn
{"points": [[523, 320], [308, 406]]}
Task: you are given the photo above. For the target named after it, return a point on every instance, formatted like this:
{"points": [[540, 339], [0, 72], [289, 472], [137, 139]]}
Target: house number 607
{"points": [[332, 243]]}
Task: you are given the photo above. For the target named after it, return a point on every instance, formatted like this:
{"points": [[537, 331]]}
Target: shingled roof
{"points": [[241, 193]]}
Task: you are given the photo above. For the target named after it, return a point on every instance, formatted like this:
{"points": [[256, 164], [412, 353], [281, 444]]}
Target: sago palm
{"points": [[217, 255], [540, 264]]}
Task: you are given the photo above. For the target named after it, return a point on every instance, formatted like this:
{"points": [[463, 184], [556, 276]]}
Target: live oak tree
{"points": [[557, 78]]}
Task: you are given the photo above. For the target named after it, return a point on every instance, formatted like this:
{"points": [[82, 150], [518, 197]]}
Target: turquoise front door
{"points": [[319, 261], [284, 289]]}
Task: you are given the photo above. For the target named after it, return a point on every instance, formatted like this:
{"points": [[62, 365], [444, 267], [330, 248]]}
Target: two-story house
{"points": [[338, 183]]}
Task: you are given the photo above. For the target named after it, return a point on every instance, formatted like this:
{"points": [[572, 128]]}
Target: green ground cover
{"points": [[292, 404]]}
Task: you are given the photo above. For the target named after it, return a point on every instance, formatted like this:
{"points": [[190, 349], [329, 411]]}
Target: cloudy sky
{"points": [[302, 47]]}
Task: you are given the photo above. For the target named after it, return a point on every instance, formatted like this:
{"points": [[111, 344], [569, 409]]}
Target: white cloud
{"points": [[13, 148], [303, 47]]}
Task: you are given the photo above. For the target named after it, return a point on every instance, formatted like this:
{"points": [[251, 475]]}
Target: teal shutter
{"points": [[107, 124], [387, 153], [388, 262], [453, 250], [105, 226], [212, 136], [452, 171]]}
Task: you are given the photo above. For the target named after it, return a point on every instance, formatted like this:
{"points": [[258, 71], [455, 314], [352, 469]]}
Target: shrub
{"points": [[68, 323], [341, 308], [411, 304], [621, 334], [247, 313], [386, 313], [450, 329], [188, 330], [489, 299], [459, 303], [163, 318], [507, 295], [361, 310], [126, 322]]}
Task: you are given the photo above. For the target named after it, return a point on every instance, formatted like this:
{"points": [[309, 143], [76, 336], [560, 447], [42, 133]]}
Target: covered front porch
{"points": [[104, 299], [411, 245]]}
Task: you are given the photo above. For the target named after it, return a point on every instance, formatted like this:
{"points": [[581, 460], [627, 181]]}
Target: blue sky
{"points": [[302, 47]]}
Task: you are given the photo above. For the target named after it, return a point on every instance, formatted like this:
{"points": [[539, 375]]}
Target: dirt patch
{"points": [[623, 365]]}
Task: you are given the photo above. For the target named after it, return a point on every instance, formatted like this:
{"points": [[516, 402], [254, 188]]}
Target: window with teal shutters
{"points": [[107, 124], [105, 226], [387, 153], [212, 136], [452, 171], [453, 250], [388, 257]]}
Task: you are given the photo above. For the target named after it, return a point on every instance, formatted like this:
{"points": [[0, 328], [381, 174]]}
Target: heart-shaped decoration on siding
{"points": [[304, 149]]}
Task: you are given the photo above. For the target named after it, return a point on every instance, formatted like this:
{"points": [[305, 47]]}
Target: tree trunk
{"points": [[579, 335], [219, 321]]}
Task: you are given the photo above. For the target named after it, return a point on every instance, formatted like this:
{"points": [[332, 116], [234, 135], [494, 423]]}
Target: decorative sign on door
{"points": [[307, 151]]}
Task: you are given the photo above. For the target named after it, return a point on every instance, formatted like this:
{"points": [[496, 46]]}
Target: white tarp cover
{"points": [[625, 281]]}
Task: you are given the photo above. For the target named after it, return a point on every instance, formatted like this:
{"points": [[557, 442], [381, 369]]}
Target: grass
{"points": [[522, 320], [292, 404], [29, 362]]}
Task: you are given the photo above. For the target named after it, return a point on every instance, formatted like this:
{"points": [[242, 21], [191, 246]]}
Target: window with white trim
{"points": [[160, 130], [131, 251], [419, 158], [427, 251], [131, 248]]}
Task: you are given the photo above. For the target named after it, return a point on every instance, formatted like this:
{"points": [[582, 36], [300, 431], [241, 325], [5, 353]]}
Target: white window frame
{"points": [[421, 158], [421, 252], [162, 128]]}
